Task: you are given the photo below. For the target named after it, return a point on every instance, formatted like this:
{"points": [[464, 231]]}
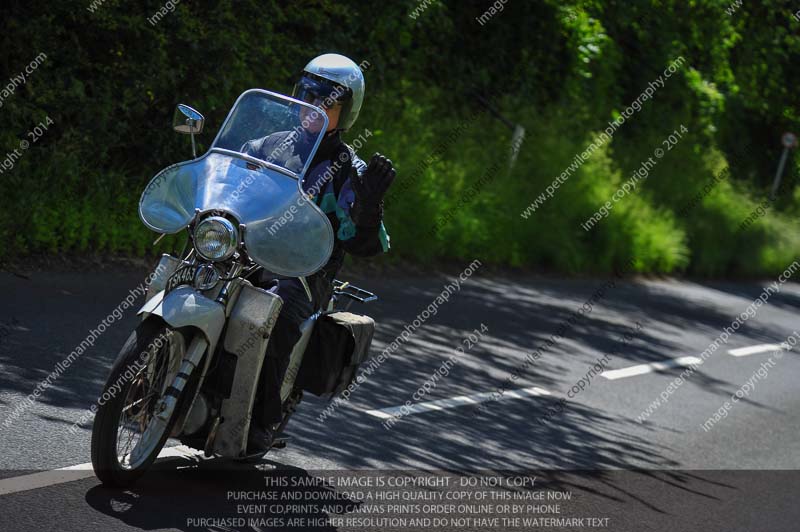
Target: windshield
{"points": [[273, 129], [285, 233]]}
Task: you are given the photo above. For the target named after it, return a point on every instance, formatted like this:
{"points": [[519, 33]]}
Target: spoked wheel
{"points": [[128, 434]]}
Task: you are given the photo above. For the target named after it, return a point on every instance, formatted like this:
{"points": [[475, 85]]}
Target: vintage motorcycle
{"points": [[190, 369]]}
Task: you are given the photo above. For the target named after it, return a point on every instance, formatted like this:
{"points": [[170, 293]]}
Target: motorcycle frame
{"points": [[247, 315]]}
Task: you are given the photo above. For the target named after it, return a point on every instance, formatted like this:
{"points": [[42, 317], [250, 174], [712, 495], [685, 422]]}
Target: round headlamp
{"points": [[215, 238]]}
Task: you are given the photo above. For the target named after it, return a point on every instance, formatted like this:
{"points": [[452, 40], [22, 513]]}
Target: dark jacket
{"points": [[328, 181]]}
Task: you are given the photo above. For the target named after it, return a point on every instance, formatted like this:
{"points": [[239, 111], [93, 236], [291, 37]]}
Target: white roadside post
{"points": [[789, 141], [518, 132]]}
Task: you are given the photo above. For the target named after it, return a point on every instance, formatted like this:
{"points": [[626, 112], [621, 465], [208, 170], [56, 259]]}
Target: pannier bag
{"points": [[339, 343]]}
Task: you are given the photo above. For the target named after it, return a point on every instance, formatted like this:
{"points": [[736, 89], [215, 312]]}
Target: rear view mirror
{"points": [[188, 121]]}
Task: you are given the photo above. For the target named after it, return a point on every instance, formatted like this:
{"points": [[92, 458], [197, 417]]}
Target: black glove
{"points": [[369, 188]]}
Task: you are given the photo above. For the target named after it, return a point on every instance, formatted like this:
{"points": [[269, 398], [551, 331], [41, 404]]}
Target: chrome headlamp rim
{"points": [[231, 239]]}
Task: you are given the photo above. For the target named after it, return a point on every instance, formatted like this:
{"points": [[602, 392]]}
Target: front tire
{"points": [[144, 369]]}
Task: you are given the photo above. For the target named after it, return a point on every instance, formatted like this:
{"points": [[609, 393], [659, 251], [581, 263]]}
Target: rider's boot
{"points": [[259, 439]]}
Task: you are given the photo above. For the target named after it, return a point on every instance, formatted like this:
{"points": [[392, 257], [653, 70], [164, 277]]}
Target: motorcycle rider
{"points": [[348, 190]]}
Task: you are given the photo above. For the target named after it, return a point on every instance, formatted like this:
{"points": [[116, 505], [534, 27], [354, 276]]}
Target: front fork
{"points": [[187, 308], [169, 399], [165, 407], [239, 319]]}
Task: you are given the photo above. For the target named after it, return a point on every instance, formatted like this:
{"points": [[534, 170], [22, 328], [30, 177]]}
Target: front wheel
{"points": [[127, 435]]}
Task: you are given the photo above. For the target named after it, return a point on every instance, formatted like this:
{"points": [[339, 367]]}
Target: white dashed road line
{"points": [[631, 371], [76, 472], [453, 402], [641, 369], [755, 349], [82, 471]]}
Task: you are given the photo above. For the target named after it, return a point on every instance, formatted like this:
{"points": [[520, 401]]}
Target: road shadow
{"points": [[223, 495], [204, 497], [520, 315]]}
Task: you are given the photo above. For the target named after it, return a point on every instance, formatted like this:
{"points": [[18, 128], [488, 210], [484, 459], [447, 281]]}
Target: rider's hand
{"points": [[370, 187], [374, 182]]}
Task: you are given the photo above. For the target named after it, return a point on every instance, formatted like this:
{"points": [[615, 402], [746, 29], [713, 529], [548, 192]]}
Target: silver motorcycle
{"points": [[190, 369]]}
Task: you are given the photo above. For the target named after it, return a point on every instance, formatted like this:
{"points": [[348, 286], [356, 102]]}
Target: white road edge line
{"points": [[755, 349], [76, 472], [641, 369], [454, 402]]}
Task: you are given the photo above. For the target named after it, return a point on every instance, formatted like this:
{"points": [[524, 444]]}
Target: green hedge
{"points": [[562, 70]]}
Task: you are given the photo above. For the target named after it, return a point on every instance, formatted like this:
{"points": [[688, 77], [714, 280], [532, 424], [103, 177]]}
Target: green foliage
{"points": [[563, 70]]}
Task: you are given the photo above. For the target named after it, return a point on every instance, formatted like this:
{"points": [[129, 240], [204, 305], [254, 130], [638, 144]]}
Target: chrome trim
{"points": [[257, 162], [206, 277], [233, 237], [307, 288]]}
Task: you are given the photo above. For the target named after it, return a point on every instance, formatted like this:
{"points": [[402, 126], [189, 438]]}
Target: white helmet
{"points": [[333, 78]]}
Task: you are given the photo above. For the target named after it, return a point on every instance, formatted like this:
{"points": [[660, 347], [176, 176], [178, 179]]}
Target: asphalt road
{"points": [[663, 473]]}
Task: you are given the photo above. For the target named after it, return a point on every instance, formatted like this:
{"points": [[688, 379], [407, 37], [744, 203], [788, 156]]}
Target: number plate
{"points": [[184, 275]]}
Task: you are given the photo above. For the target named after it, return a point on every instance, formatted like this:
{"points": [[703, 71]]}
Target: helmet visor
{"points": [[319, 91]]}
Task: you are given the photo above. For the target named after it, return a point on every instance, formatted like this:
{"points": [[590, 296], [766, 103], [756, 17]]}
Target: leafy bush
{"points": [[562, 70]]}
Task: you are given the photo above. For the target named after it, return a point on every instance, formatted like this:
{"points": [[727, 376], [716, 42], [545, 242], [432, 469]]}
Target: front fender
{"points": [[186, 307]]}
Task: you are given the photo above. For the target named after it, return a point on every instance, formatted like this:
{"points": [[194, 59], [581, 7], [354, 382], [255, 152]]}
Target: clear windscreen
{"points": [[274, 130], [285, 233]]}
